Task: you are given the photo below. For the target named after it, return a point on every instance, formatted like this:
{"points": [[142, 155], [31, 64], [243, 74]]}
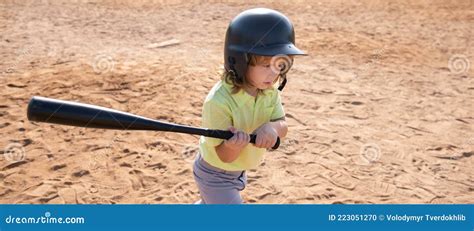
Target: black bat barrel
{"points": [[41, 109], [55, 111]]}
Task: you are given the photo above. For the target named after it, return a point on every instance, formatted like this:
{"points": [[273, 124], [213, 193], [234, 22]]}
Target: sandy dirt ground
{"points": [[381, 111]]}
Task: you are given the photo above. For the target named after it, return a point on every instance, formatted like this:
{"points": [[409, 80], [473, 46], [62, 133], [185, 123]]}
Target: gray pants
{"points": [[218, 186]]}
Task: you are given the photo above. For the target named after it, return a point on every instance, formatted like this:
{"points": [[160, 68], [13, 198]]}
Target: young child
{"points": [[245, 101]]}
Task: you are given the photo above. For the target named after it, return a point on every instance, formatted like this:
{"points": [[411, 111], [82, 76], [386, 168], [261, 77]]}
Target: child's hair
{"points": [[239, 83]]}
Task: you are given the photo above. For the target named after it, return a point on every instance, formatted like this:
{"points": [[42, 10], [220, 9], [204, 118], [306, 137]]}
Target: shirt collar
{"points": [[242, 96]]}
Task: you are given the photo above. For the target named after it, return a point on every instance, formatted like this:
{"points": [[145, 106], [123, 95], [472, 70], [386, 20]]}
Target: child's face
{"points": [[260, 74]]}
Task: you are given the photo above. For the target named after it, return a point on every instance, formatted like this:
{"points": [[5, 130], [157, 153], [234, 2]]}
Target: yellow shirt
{"points": [[221, 109]]}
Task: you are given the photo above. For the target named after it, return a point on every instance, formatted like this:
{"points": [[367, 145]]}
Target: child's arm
{"points": [[267, 133], [280, 126], [230, 149]]}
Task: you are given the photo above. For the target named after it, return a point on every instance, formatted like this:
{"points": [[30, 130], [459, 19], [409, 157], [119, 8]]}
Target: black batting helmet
{"points": [[259, 31]]}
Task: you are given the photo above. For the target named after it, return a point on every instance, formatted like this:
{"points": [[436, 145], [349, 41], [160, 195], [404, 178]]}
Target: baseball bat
{"points": [[41, 109]]}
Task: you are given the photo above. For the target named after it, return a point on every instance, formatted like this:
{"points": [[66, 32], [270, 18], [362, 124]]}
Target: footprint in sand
{"points": [[93, 189], [403, 155], [136, 179], [141, 180], [14, 165], [422, 178], [57, 167], [4, 125], [263, 195], [295, 194], [81, 173], [68, 195], [325, 196], [182, 192], [125, 165], [340, 180], [441, 200], [289, 146], [382, 188], [44, 193], [280, 178], [416, 192], [189, 152]]}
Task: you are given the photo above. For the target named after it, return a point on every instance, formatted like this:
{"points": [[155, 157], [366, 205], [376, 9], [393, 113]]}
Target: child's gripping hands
{"points": [[238, 141], [230, 149], [266, 136], [267, 133]]}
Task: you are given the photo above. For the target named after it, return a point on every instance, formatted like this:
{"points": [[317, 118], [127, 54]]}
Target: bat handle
{"points": [[221, 134]]}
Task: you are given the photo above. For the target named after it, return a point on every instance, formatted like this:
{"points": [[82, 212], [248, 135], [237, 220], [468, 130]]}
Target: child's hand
{"points": [[238, 141], [266, 136]]}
